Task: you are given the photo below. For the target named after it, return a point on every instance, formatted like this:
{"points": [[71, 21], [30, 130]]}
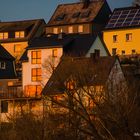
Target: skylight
{"points": [[76, 15], [60, 17], [85, 14]]}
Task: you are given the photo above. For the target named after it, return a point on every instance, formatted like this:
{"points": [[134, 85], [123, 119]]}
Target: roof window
{"points": [[76, 15], [85, 14], [60, 17]]}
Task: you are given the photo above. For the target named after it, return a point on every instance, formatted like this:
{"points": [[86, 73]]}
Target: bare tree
{"points": [[96, 111]]}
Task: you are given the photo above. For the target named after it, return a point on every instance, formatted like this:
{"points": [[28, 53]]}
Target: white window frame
{"points": [[4, 35]]}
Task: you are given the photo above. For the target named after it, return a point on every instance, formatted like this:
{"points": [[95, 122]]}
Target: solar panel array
{"points": [[124, 18]]}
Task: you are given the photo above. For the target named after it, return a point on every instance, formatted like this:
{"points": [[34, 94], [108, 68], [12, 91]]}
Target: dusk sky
{"points": [[11, 10]]}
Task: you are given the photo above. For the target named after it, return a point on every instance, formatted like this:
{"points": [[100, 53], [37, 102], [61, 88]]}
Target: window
{"points": [[2, 65], [129, 37], [85, 14], [4, 107], [114, 51], [133, 51], [76, 15], [55, 30], [61, 30], [115, 38], [60, 17], [19, 34], [33, 90], [58, 99], [80, 28], [70, 85], [54, 52], [123, 52], [17, 48], [70, 29], [10, 83], [4, 35], [36, 74], [36, 57]]}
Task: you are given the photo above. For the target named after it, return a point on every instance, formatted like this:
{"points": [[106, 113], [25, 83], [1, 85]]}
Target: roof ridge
{"points": [[123, 8], [28, 20]]}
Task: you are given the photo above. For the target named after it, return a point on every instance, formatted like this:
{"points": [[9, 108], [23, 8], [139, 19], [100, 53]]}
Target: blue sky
{"points": [[12, 10]]}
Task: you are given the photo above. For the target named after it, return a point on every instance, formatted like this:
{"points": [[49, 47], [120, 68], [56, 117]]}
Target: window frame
{"points": [[4, 106], [123, 52], [4, 35], [55, 30], [19, 34], [115, 38], [80, 28], [70, 29], [54, 52], [4, 65], [114, 51], [128, 37], [36, 74], [17, 50], [37, 58], [30, 92]]}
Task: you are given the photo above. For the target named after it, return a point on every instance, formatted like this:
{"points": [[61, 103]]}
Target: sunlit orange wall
{"points": [[10, 48], [121, 44]]}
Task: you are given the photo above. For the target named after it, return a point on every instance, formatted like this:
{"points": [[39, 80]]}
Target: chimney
{"points": [[85, 3], [95, 55]]}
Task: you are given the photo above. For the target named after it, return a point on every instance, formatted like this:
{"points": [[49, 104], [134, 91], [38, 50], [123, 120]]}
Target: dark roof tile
{"points": [[5, 55], [86, 70], [75, 13]]}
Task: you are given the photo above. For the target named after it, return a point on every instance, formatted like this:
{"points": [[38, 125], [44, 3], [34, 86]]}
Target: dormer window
{"points": [[4, 35], [60, 17], [19, 34], [76, 15], [85, 14], [2, 65]]}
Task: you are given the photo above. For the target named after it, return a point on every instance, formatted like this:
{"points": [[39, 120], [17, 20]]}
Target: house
{"points": [[15, 35], [87, 17], [38, 62], [14, 107], [81, 75], [85, 45], [121, 34], [8, 77], [43, 55]]}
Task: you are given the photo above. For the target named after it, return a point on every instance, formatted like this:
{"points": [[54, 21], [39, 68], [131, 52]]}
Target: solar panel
{"points": [[124, 18]]}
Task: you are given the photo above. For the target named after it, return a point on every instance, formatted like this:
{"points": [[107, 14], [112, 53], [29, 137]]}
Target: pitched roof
{"points": [[9, 71], [131, 73], [74, 45], [5, 55], [80, 44], [30, 25], [76, 13], [48, 42], [127, 17], [86, 71]]}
